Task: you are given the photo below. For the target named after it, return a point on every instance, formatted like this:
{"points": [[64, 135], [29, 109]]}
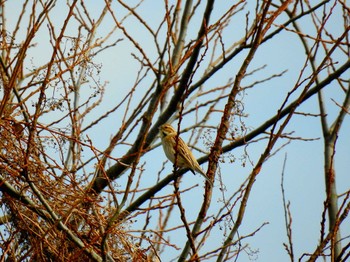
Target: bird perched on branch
{"points": [[184, 156]]}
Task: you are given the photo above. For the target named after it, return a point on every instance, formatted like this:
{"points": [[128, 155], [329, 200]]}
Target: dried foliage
{"points": [[79, 179]]}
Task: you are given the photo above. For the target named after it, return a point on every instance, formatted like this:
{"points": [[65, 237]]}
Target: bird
{"points": [[184, 157]]}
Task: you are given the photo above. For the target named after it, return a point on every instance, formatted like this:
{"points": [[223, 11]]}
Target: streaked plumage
{"points": [[185, 158]]}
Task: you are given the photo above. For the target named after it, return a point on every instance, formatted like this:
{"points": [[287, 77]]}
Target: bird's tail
{"points": [[199, 170]]}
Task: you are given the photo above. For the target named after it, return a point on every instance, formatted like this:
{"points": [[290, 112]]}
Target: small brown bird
{"points": [[185, 158]]}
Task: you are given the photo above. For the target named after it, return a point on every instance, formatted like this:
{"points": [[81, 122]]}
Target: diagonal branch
{"points": [[147, 134], [240, 142], [49, 215]]}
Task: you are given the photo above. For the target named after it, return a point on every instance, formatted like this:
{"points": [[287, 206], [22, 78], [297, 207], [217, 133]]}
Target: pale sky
{"points": [[304, 180]]}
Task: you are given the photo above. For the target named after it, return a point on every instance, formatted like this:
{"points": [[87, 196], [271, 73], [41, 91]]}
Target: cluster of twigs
{"points": [[66, 198]]}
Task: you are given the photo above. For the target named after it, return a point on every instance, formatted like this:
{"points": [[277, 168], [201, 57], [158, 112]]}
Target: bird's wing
{"points": [[185, 154]]}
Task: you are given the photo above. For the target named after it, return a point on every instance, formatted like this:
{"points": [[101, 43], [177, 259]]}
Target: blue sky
{"points": [[303, 181]]}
